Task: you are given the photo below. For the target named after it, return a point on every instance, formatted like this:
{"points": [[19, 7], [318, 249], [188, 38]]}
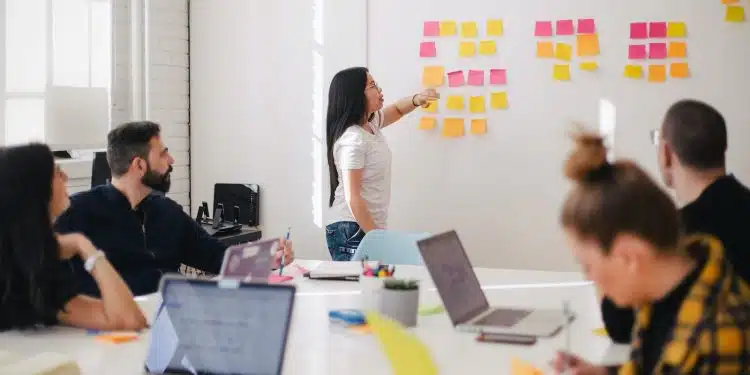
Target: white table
{"points": [[315, 347]]}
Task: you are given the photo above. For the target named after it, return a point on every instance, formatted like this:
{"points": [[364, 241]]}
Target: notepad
{"points": [[336, 271], [39, 364]]}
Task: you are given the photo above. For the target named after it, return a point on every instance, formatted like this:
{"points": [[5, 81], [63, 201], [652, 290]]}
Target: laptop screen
{"points": [[453, 275], [204, 328]]}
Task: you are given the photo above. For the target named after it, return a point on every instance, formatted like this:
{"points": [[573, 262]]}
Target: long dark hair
{"points": [[346, 107], [28, 248]]}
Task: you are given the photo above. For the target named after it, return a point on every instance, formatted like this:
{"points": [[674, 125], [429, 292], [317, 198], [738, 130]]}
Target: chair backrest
{"points": [[390, 247], [100, 172]]}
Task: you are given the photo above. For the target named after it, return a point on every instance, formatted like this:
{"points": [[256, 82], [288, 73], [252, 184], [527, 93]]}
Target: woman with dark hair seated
{"points": [[37, 286]]}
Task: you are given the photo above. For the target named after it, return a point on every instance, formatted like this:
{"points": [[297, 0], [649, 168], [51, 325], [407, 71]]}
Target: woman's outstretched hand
{"points": [[423, 98]]}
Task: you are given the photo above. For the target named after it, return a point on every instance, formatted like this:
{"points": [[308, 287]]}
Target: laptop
{"points": [[222, 327], [466, 304], [249, 262]]}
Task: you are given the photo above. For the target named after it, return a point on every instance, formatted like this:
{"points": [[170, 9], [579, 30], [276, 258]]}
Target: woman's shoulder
{"points": [[352, 136]]}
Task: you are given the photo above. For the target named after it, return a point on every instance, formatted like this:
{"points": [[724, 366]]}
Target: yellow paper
{"points": [[677, 49], [657, 73], [601, 332], [469, 29], [455, 102], [453, 127], [427, 123], [587, 45], [519, 367], [495, 27], [563, 51], [431, 107], [676, 30], [561, 72], [499, 100], [467, 49], [433, 76], [406, 353], [735, 13], [478, 126], [447, 28], [589, 66], [476, 104], [679, 70], [544, 49], [487, 47], [633, 71]]}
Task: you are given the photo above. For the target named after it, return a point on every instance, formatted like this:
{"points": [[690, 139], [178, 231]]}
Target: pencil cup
{"points": [[400, 301], [372, 292]]}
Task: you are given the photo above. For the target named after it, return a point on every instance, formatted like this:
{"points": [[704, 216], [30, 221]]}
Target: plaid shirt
{"points": [[712, 329]]}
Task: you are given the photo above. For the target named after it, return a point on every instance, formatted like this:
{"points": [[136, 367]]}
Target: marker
{"points": [[283, 253]]}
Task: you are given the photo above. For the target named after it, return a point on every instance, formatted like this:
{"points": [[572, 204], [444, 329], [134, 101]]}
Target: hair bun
{"points": [[588, 156]]}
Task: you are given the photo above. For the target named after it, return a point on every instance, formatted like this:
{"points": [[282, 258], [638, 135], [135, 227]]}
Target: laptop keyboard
{"points": [[503, 318]]}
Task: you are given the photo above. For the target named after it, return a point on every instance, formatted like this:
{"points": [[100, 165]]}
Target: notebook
{"points": [[330, 270]]}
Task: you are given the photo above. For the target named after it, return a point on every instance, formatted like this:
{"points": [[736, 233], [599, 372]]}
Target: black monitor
{"points": [[245, 196], [100, 172]]}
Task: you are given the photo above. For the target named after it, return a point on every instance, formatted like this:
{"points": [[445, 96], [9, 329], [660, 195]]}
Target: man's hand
{"points": [[285, 250], [570, 364]]}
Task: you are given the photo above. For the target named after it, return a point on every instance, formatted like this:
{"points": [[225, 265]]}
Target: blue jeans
{"points": [[343, 238]]}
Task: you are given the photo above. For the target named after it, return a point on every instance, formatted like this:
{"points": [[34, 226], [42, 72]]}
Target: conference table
{"points": [[316, 346]]}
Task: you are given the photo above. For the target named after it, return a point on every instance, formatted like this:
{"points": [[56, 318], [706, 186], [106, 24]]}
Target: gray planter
{"points": [[400, 305]]}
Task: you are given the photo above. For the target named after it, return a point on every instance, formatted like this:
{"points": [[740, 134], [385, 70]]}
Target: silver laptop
{"points": [[464, 300], [220, 327], [249, 262]]}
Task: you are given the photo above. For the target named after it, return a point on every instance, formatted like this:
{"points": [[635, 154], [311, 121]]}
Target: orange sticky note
{"points": [[587, 45], [117, 338], [478, 126], [677, 49], [545, 49], [453, 127], [729, 1], [363, 329], [679, 70], [433, 76], [657, 73], [427, 123], [519, 367]]}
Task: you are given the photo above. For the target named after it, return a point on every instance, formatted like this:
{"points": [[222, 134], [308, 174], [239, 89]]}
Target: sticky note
{"points": [[487, 47], [730, 1], [657, 73], [476, 78], [498, 76], [563, 51], [587, 45], [432, 76], [427, 49], [467, 49], [638, 30], [543, 28], [586, 26], [431, 310], [637, 51], [277, 279], [565, 27], [478, 126], [561, 72], [679, 70], [499, 100], [427, 123], [633, 71], [676, 30], [362, 329], [657, 30], [453, 127], [431, 28], [589, 66], [455, 102], [735, 13], [469, 29], [117, 338], [431, 106], [456, 79], [494, 27], [518, 367], [657, 50], [601, 332], [476, 104], [545, 49], [405, 352], [447, 28], [677, 49]]}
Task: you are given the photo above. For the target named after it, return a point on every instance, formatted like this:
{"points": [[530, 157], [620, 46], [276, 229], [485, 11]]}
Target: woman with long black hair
{"points": [[359, 160], [37, 286]]}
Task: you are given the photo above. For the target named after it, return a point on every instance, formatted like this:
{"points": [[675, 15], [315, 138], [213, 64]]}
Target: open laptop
{"points": [[464, 300], [249, 262], [222, 327]]}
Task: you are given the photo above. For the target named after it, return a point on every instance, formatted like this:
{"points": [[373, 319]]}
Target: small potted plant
{"points": [[400, 300]]}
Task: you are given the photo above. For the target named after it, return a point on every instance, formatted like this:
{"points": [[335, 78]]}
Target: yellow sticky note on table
{"points": [[545, 49], [561, 72], [633, 71], [677, 49], [476, 104], [431, 106], [405, 352], [499, 100], [447, 28], [563, 51], [433, 76], [518, 367], [601, 332], [735, 13], [467, 49], [676, 30], [455, 102], [589, 66], [657, 73], [478, 126], [679, 70], [427, 123], [453, 127], [469, 29], [495, 27], [587, 45], [487, 47], [117, 338]]}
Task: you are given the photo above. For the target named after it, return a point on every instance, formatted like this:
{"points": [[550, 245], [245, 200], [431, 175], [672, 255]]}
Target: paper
{"points": [[638, 30], [476, 78], [587, 45], [431, 106], [545, 49], [447, 28], [561, 72], [586, 26], [563, 51], [637, 51], [276, 279], [633, 71], [494, 27], [432, 76], [601, 332], [431, 310], [543, 28], [657, 50], [478, 126], [469, 29], [730, 1], [456, 79], [487, 47], [453, 127], [679, 70], [499, 100], [498, 76], [676, 30], [118, 338], [405, 352], [657, 30], [361, 329], [455, 102], [735, 13], [427, 49], [677, 49], [589, 66], [518, 367], [476, 104], [427, 123], [657, 73], [565, 27], [467, 49], [431, 28]]}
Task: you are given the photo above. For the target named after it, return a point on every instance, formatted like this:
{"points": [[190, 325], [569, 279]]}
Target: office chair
{"points": [[390, 247]]}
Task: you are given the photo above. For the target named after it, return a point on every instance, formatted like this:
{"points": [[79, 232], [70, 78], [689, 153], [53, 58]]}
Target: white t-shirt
{"points": [[358, 149]]}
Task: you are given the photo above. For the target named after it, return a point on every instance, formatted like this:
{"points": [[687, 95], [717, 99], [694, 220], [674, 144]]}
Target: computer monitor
{"points": [[100, 172], [245, 196]]}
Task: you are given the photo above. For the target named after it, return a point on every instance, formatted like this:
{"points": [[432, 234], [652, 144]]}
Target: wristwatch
{"points": [[90, 262]]}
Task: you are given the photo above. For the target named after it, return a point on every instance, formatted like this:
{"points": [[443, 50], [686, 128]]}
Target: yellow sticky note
{"points": [[587, 45], [677, 49], [544, 49], [679, 70], [657, 73], [633, 71], [563, 51], [478, 126], [427, 123], [589, 66], [676, 30], [453, 127], [730, 1], [561, 72], [455, 102], [518, 367], [447, 28], [601, 332], [433, 76], [476, 104], [499, 100], [495, 27], [405, 352], [431, 106], [467, 49], [735, 13], [469, 29], [117, 338], [487, 47]]}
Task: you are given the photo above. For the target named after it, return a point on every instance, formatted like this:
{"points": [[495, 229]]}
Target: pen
{"points": [[566, 310], [281, 266]]}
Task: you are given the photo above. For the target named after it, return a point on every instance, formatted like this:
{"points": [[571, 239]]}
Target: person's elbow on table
{"points": [[86, 312]]}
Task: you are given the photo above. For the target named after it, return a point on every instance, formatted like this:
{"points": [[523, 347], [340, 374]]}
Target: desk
{"points": [[314, 347], [246, 234]]}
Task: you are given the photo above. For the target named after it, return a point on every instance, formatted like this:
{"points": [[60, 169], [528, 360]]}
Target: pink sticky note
{"points": [[476, 78], [657, 50], [543, 28], [431, 28], [276, 279], [637, 51], [586, 26], [456, 79], [565, 27], [427, 49], [638, 30], [498, 77], [657, 30]]}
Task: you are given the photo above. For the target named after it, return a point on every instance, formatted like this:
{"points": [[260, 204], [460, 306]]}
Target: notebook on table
{"points": [[330, 270]]}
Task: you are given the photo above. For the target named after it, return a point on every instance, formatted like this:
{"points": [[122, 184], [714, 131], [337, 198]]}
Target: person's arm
{"points": [[353, 193], [199, 249], [404, 106], [618, 321]]}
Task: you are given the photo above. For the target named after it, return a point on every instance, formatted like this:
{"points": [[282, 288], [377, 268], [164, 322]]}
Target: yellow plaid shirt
{"points": [[712, 329]]}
